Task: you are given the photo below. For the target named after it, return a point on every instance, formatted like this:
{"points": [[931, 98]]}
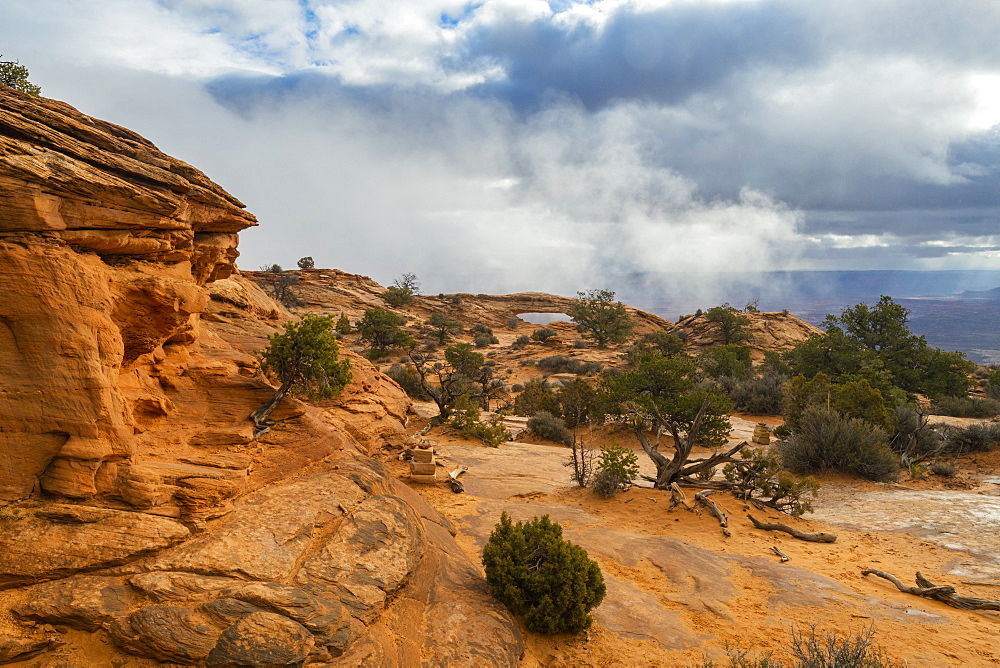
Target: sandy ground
{"points": [[679, 591]]}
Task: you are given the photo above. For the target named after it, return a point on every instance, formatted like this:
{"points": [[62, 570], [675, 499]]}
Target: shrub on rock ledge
{"points": [[537, 574]]}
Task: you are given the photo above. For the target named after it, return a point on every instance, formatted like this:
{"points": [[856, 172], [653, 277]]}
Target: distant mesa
{"points": [[981, 294]]}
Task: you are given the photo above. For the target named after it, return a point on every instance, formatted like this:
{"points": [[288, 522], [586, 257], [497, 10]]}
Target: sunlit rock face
{"points": [[106, 245]]}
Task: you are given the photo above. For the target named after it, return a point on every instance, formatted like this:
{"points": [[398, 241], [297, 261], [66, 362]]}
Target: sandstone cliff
{"points": [[138, 508]]}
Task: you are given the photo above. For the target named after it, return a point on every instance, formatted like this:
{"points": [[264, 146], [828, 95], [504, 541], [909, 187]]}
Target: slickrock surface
{"points": [[140, 520]]}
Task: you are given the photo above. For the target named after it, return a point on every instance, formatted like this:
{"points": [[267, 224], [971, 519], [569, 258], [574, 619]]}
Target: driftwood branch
{"points": [[811, 536], [702, 498], [777, 551], [943, 593]]}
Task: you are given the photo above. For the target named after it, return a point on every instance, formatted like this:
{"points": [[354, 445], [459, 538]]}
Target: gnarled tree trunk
{"points": [[671, 470], [260, 416]]}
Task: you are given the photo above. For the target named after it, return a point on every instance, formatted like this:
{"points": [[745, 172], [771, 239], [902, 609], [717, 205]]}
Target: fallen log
{"points": [[944, 593], [702, 498], [784, 557], [811, 536]]}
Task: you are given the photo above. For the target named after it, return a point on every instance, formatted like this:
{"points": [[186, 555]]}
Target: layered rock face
{"points": [[102, 188], [135, 503], [105, 246]]}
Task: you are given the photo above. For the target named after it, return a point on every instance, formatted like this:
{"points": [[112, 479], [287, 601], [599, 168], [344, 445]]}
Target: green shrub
{"points": [[533, 571], [306, 263], [520, 342], [992, 384], [343, 325], [824, 439], [852, 398], [974, 438], [396, 296], [382, 330], [481, 329], [732, 360], [580, 343], [759, 394], [543, 334], [577, 402], [465, 420], [482, 340], [442, 327], [408, 378], [536, 396], [546, 425], [616, 469], [666, 342], [971, 407], [566, 364], [733, 327]]}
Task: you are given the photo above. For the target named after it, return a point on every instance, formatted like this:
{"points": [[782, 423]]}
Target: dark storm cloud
{"points": [[664, 56]]}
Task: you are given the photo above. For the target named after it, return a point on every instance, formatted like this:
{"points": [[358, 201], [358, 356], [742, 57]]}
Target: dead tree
{"points": [[943, 593]]}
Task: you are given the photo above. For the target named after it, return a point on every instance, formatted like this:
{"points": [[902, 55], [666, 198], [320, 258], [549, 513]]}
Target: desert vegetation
{"points": [[15, 75], [537, 574], [305, 358], [598, 316]]}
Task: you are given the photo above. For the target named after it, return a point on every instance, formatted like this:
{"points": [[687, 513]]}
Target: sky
{"points": [[510, 145]]}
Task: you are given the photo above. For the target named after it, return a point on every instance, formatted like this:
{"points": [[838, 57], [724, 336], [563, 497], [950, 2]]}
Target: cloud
{"points": [[662, 55], [520, 144]]}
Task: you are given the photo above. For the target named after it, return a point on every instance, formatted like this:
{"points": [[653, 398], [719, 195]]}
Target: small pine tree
{"points": [[15, 75], [734, 327], [343, 324], [306, 263], [620, 465], [598, 316], [305, 357], [533, 571]]}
